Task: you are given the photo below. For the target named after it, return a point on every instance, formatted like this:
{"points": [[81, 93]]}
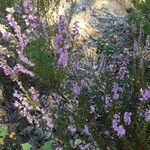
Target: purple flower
{"points": [[121, 131], [76, 88], [56, 97], [24, 58], [115, 91], [34, 94], [48, 120], [85, 147], [22, 39], [72, 129], [122, 72], [135, 46], [75, 67], [147, 115], [21, 69], [75, 30], [92, 109], [115, 87], [144, 94], [127, 118], [35, 21], [63, 58], [18, 95], [115, 122], [27, 5], [108, 101], [6, 35], [123, 68], [116, 96], [57, 41], [61, 42], [62, 25], [7, 70], [116, 127], [86, 130], [83, 84]]}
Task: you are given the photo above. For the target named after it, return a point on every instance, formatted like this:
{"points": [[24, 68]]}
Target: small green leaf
{"points": [[48, 145], [77, 142], [3, 132], [26, 146], [147, 28]]}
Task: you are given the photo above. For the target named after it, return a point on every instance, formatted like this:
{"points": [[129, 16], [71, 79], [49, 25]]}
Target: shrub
{"points": [[108, 110]]}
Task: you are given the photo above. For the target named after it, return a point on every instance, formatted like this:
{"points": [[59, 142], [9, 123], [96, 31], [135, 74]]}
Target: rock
{"points": [[98, 18]]}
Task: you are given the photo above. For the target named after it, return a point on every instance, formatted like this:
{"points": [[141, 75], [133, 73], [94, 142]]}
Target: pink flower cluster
{"points": [[21, 69], [63, 58], [27, 5], [31, 21], [24, 59], [7, 70], [24, 105], [22, 38], [27, 101], [61, 40], [47, 118], [6, 35], [34, 94]]}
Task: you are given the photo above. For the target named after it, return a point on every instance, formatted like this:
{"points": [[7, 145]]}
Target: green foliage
{"points": [[48, 145], [45, 62], [103, 47], [61, 124], [136, 18], [143, 5], [147, 27], [26, 146], [3, 132], [140, 15]]}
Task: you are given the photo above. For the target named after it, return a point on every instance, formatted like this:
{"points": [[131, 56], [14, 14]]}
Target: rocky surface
{"points": [[106, 19]]}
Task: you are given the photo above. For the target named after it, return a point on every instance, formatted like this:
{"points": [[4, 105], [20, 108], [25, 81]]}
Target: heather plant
{"points": [[106, 109], [27, 41]]}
